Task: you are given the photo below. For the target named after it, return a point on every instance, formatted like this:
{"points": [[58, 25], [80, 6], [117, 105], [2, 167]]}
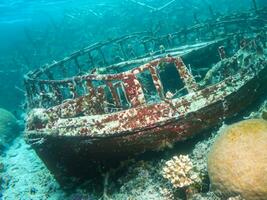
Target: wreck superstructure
{"points": [[144, 92]]}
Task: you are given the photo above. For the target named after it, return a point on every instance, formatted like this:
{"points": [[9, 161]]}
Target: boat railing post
{"points": [[188, 79], [114, 94], [157, 82], [133, 90]]}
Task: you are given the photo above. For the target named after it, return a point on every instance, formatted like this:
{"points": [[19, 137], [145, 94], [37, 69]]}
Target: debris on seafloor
{"points": [[237, 160], [119, 98]]}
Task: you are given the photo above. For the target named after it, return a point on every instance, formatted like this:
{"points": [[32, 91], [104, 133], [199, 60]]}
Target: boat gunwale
{"points": [[230, 80]]}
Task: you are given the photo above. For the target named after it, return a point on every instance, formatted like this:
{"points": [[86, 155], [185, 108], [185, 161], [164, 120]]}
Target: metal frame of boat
{"points": [[103, 112]]}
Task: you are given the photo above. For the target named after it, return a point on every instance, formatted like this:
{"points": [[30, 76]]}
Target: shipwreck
{"points": [[144, 92]]}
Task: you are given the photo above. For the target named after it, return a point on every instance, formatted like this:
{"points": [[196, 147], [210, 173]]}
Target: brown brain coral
{"points": [[237, 162]]}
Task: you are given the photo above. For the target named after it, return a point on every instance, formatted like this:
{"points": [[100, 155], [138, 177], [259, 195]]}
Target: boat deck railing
{"points": [[122, 90], [73, 78]]}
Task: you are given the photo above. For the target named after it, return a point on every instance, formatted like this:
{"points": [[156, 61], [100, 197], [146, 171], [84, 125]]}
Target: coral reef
{"points": [[9, 128], [237, 162]]}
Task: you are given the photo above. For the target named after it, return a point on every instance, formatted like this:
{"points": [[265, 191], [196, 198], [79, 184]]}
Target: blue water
{"points": [[28, 28], [33, 32], [36, 32], [73, 24]]}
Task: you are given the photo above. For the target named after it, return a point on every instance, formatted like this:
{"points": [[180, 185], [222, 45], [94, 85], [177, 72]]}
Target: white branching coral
{"points": [[179, 171]]}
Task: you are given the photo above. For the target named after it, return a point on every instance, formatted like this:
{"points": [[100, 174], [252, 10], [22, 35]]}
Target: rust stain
{"points": [[114, 105]]}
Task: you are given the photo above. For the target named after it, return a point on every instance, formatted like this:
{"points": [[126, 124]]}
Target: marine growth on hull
{"points": [[129, 94]]}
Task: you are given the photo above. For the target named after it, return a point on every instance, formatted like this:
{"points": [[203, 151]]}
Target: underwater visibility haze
{"points": [[133, 99]]}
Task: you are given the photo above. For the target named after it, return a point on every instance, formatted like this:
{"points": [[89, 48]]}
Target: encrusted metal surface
{"points": [[66, 120], [130, 105], [111, 53]]}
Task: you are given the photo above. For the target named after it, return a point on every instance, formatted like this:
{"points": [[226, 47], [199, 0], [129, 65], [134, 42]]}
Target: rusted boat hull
{"points": [[76, 154], [94, 107]]}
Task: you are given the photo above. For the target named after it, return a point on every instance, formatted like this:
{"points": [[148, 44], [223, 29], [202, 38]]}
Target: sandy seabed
{"points": [[24, 175]]}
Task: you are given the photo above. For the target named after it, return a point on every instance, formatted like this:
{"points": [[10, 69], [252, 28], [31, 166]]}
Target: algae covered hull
{"points": [[119, 98]]}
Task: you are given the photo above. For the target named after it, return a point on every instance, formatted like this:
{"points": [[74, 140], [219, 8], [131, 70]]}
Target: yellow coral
{"points": [[179, 171]]}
